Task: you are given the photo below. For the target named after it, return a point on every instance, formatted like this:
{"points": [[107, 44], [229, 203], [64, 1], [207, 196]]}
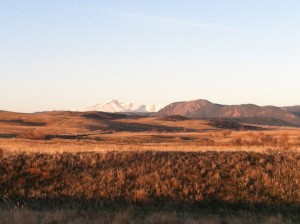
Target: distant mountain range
{"points": [[117, 106], [247, 113], [203, 109]]}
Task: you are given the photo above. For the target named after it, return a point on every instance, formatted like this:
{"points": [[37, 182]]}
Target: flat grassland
{"points": [[67, 167]]}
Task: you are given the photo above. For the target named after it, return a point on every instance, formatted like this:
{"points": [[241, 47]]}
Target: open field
{"points": [[67, 167], [158, 180], [72, 132], [140, 111], [195, 185], [211, 140], [139, 215]]}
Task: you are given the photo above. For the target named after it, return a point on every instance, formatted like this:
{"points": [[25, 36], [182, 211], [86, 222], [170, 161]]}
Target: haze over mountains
{"points": [[203, 109], [248, 113], [117, 106]]}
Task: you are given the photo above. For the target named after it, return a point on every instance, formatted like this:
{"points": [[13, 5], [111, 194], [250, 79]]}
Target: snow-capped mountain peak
{"points": [[115, 106]]}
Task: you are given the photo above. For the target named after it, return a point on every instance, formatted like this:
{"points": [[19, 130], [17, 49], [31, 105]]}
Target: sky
{"points": [[71, 54]]}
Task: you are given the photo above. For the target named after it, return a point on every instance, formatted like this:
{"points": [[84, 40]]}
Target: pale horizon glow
{"points": [[64, 55]]}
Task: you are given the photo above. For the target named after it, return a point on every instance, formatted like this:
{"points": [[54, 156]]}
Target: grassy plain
{"points": [[67, 167]]}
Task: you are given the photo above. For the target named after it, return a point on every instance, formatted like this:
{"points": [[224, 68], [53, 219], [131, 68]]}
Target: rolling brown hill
{"points": [[294, 109], [68, 125], [87, 125], [248, 113]]}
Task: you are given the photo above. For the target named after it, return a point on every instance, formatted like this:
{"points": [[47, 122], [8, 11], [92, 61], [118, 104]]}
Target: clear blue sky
{"points": [[75, 53]]}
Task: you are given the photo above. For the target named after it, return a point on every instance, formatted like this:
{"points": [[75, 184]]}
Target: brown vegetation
{"points": [[157, 180], [110, 130], [144, 177], [100, 160], [140, 215], [262, 139]]}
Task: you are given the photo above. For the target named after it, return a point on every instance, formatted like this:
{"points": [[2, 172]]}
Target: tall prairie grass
{"points": [[96, 187]]}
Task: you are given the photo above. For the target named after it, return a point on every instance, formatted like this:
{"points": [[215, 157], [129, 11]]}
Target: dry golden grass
{"points": [[190, 177], [106, 132], [165, 181], [216, 140], [144, 161]]}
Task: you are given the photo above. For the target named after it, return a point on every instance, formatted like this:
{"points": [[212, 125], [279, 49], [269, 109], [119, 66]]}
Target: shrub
{"points": [[34, 134]]}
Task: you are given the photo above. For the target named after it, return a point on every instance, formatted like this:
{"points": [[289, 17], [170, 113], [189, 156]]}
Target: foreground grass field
{"points": [[153, 181], [139, 215], [67, 167]]}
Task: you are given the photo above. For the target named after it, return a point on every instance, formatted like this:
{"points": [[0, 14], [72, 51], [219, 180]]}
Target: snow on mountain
{"points": [[114, 106]]}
